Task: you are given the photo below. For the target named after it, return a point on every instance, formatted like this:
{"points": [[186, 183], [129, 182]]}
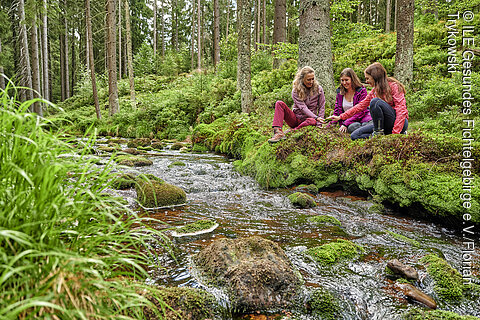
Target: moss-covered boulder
{"points": [[143, 142], [254, 272], [194, 228], [133, 151], [154, 194], [133, 161], [177, 146], [108, 149], [325, 220], [181, 303], [309, 188], [417, 314], [157, 145], [448, 281], [117, 141], [302, 200], [124, 181], [334, 251], [323, 304]]}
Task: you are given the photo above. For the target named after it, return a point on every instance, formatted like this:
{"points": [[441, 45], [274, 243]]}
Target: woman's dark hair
{"points": [[379, 75], [348, 72]]}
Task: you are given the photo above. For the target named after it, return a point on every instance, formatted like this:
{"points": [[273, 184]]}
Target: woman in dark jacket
{"points": [[350, 93]]}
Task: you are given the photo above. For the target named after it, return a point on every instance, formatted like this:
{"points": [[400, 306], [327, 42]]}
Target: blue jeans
{"points": [[384, 116], [363, 132]]}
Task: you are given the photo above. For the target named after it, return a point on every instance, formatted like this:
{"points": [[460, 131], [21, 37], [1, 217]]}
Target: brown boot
{"points": [[277, 135]]}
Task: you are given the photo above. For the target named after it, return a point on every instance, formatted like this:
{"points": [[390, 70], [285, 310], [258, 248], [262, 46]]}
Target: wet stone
{"points": [[407, 272]]}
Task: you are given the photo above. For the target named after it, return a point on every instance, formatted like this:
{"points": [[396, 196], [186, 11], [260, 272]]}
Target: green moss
{"points": [[332, 252], [177, 146], [147, 148], [157, 145], [108, 149], [177, 164], [448, 281], [404, 238], [417, 314], [117, 141], [302, 200], [199, 147], [196, 226], [325, 219], [142, 142], [124, 181], [323, 304], [311, 188], [152, 194], [133, 161]]}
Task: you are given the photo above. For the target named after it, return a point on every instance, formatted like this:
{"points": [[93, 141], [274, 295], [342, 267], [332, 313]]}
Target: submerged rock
{"points": [[154, 193], [177, 146], [255, 272], [133, 161], [448, 281], [143, 142], [416, 314], [124, 181], [407, 272], [334, 251], [323, 304], [302, 200], [416, 294]]}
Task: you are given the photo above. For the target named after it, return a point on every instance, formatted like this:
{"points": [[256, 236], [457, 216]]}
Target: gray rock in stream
{"points": [[408, 272], [254, 272]]}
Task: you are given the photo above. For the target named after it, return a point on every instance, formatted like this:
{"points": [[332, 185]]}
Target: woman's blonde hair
{"points": [[299, 86], [348, 72], [379, 75]]}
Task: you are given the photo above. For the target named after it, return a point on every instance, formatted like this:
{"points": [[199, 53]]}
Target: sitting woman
{"points": [[308, 108], [350, 93], [387, 104]]}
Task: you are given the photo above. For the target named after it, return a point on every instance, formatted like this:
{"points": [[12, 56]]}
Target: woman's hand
{"points": [[342, 129], [334, 118], [319, 120]]}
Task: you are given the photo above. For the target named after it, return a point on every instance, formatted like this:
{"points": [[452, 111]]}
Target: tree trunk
{"points": [[120, 39], [26, 69], [46, 91], [154, 28], [264, 24], [243, 63], [192, 39], [199, 36], [314, 43], [130, 55], [67, 69], [279, 26], [216, 33], [388, 15], [111, 59], [404, 54], [163, 29], [63, 95], [74, 66], [37, 108], [91, 61], [396, 10], [228, 19], [2, 72]]}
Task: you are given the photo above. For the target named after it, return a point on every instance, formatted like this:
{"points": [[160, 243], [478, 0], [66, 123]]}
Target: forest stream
{"points": [[242, 209]]}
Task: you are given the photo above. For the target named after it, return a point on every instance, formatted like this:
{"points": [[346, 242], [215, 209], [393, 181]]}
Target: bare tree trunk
{"points": [[279, 26], [163, 30], [396, 10], [91, 61], [314, 43], [24, 54], [74, 66], [264, 24], [2, 72], [199, 36], [192, 40], [120, 39], [404, 54], [67, 69], [111, 59], [388, 14], [154, 28], [130, 55], [243, 64], [62, 68], [228, 19], [37, 108], [216, 33], [46, 91]]}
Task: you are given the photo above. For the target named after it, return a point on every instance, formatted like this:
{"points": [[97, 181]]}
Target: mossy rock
{"points": [[302, 200], [182, 303], [133, 161], [177, 164], [142, 142], [334, 251], [154, 194], [195, 227], [133, 151], [147, 148], [322, 303], [377, 208], [310, 188], [403, 238], [117, 141], [108, 149], [417, 314], [448, 281], [157, 145], [124, 181], [325, 219], [177, 146]]}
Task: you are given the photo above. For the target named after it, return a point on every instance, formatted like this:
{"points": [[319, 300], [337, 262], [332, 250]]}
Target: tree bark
{"points": [[279, 26], [63, 95], [26, 69], [388, 15], [120, 39], [67, 69], [163, 29], [91, 61], [2, 72], [130, 55], [199, 36], [243, 63], [227, 19], [216, 33], [154, 28], [111, 59], [404, 53], [37, 108], [192, 38], [264, 23], [46, 91], [315, 48]]}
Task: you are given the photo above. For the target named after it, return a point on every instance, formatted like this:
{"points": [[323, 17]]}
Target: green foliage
{"points": [[144, 60], [196, 226], [448, 281], [334, 251], [416, 314], [284, 50], [325, 219], [302, 200], [323, 303]]}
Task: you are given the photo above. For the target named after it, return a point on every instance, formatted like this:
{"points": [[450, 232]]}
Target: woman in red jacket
{"points": [[387, 103]]}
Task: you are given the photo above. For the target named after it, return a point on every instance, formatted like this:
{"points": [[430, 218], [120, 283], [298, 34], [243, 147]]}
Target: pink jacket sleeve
{"points": [[400, 106], [300, 104], [359, 115], [362, 105]]}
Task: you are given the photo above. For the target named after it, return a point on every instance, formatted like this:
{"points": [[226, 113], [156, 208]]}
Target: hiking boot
{"points": [[277, 136], [377, 133]]}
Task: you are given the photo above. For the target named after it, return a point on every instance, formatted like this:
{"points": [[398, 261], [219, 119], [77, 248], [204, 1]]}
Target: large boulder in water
{"points": [[157, 193], [255, 273]]}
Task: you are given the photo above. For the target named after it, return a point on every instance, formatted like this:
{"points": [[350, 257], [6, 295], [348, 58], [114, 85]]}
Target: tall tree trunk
{"points": [[396, 10], [192, 38], [63, 94], [129, 54], [2, 72], [26, 69], [257, 25], [111, 59], [120, 39], [404, 54], [154, 28], [74, 66], [91, 61], [388, 15], [199, 36], [216, 33], [163, 29], [243, 62], [46, 91], [67, 69], [227, 19], [279, 26], [37, 107], [314, 43], [264, 23]]}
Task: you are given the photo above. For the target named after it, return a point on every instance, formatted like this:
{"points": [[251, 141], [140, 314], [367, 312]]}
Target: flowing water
{"points": [[242, 208]]}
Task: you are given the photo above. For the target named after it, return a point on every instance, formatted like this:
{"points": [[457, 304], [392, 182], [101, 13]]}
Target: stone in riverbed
{"points": [[154, 194], [255, 273], [302, 200], [407, 272], [416, 294]]}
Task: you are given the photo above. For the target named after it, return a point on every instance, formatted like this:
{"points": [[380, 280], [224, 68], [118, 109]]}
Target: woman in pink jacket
{"points": [[308, 108], [386, 100]]}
